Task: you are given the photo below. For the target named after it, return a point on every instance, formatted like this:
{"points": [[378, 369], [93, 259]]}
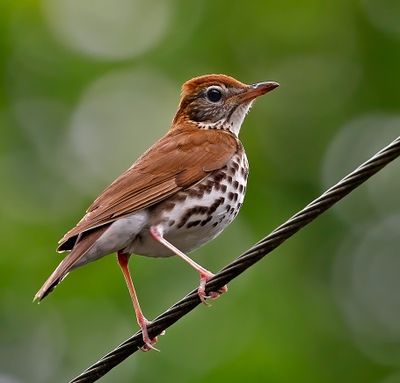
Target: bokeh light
{"points": [[384, 15], [353, 144], [118, 117], [8, 379], [393, 378], [108, 29], [366, 281]]}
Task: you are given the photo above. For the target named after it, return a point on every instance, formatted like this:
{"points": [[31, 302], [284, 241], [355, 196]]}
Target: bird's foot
{"points": [[148, 342], [204, 277], [216, 294]]}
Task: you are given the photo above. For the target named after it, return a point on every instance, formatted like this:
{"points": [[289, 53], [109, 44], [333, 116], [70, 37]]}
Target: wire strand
{"points": [[244, 261]]}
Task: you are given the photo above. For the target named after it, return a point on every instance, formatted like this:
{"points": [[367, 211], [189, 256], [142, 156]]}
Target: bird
{"points": [[180, 194]]}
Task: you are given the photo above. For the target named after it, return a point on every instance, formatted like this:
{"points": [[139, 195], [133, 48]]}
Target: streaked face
{"points": [[214, 107], [219, 101]]}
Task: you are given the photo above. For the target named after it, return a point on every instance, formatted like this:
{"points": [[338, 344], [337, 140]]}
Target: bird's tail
{"points": [[69, 262]]}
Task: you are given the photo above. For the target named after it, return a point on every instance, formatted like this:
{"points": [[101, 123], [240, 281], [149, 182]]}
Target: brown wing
{"points": [[177, 161]]}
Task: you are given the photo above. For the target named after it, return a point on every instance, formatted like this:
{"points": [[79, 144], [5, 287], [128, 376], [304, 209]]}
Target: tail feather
{"points": [[79, 250]]}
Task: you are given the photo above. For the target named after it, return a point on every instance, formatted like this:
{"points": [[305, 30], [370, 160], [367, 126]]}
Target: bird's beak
{"points": [[255, 90]]}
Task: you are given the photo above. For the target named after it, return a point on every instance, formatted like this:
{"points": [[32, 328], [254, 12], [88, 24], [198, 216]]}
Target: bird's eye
{"points": [[214, 94]]}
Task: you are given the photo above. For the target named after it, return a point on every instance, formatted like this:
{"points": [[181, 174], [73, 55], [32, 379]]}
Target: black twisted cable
{"points": [[247, 259]]}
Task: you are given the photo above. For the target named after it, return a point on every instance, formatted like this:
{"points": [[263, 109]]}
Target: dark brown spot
{"points": [[235, 165], [189, 213], [235, 196], [215, 205], [202, 209], [193, 223], [230, 179], [215, 224], [202, 189], [228, 207], [171, 222], [219, 177], [180, 197], [241, 188], [184, 219], [235, 184], [232, 211], [194, 193], [230, 196], [223, 188], [205, 221], [210, 185]]}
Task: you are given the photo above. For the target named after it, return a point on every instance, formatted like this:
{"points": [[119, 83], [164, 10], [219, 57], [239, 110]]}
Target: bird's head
{"points": [[218, 102]]}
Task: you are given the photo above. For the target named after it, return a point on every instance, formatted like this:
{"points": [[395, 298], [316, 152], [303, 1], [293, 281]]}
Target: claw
{"points": [[148, 342], [204, 277], [216, 294], [148, 345]]}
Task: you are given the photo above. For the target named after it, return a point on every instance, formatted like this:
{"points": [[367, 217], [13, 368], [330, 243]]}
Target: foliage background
{"points": [[85, 87]]}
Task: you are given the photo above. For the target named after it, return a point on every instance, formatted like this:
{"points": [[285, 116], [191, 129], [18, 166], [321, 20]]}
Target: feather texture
{"points": [[177, 161], [81, 248]]}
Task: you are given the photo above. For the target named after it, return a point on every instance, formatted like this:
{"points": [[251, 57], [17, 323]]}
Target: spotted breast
{"points": [[198, 214]]}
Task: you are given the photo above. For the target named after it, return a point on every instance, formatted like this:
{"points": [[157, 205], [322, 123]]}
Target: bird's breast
{"points": [[199, 213]]}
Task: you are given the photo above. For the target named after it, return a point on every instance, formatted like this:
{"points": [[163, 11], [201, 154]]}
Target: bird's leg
{"points": [[123, 260], [205, 275]]}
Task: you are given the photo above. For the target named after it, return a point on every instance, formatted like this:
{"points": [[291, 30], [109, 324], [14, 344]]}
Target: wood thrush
{"points": [[181, 193]]}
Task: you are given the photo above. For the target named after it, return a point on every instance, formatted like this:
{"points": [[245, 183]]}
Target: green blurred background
{"points": [[87, 86]]}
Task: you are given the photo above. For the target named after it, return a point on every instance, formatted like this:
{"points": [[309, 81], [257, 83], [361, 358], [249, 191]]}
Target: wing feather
{"points": [[177, 161]]}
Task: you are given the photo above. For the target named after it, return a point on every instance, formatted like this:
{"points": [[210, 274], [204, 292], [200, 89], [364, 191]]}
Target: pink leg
{"points": [[142, 321], [205, 275]]}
